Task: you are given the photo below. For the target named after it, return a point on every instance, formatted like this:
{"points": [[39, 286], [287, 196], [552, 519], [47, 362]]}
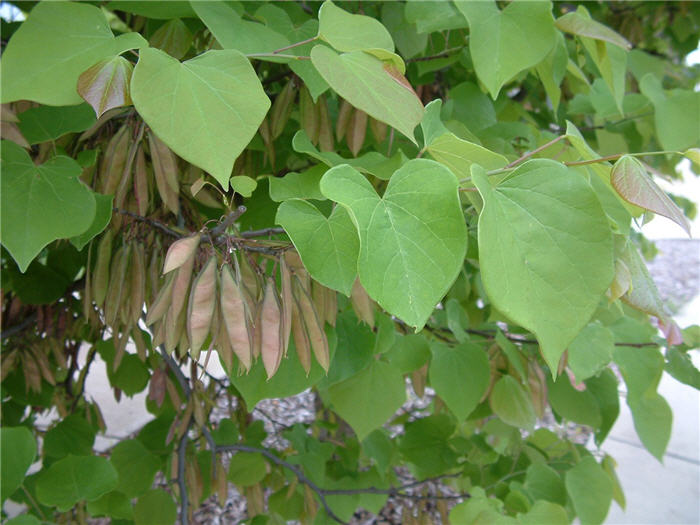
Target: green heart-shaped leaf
{"points": [[211, 108], [348, 32], [40, 203], [412, 240], [504, 43], [328, 246], [57, 42], [546, 251]]}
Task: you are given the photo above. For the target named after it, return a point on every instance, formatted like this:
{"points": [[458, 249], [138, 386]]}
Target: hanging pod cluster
{"points": [[240, 310]]}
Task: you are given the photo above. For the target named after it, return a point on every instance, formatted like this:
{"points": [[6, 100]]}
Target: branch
{"points": [[151, 222], [262, 233], [444, 54], [12, 330], [526, 156], [296, 44], [230, 219], [293, 468]]}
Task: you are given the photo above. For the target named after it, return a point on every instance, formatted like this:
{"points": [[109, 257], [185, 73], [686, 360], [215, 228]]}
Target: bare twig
{"points": [[151, 222], [262, 233]]}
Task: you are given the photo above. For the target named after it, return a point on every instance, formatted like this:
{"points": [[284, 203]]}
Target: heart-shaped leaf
{"points": [[45, 123], [328, 246], [449, 367], [633, 183], [412, 240], [504, 43], [49, 51], [211, 109], [106, 84], [40, 203], [458, 154], [348, 32], [371, 85], [546, 251]]}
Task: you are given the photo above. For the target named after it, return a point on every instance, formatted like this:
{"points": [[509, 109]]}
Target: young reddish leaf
{"points": [[631, 180], [106, 84]]}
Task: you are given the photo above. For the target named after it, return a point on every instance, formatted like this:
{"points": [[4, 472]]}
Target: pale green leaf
{"points": [[542, 482], [471, 106], [156, 507], [642, 293], [206, 109], [371, 162], [113, 504], [369, 398], [408, 42], [412, 240], [432, 125], [504, 43], [233, 32], [459, 155], [372, 86], [73, 479], [136, 467], [553, 69], [40, 203], [604, 388], [328, 247], [544, 512], [16, 456], [569, 403], [676, 114], [590, 490], [591, 351], [681, 367], [460, 375], [348, 32], [49, 123], [49, 51], [580, 25], [103, 214], [247, 469], [512, 404], [546, 251], [433, 16], [24, 519], [158, 9], [631, 180], [653, 420], [243, 185], [293, 185]]}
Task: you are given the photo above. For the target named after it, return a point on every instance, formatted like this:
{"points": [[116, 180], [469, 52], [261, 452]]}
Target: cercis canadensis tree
{"points": [[363, 199]]}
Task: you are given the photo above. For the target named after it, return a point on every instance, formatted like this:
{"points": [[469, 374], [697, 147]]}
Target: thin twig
{"points": [[264, 232], [296, 44], [181, 482], [444, 54], [229, 220], [151, 222], [12, 330], [529, 154]]}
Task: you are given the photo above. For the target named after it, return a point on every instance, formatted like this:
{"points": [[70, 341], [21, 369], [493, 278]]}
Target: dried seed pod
{"points": [[236, 317], [257, 331], [180, 252], [362, 305], [418, 380], [308, 114], [325, 126], [138, 282], [379, 129], [271, 336], [181, 286], [117, 280], [318, 298], [282, 108], [43, 363], [162, 301], [140, 343], [201, 306], [141, 193], [114, 160], [223, 345], [220, 482], [158, 333], [341, 124], [156, 388], [356, 132], [32, 375], [331, 303], [301, 339], [154, 269], [287, 302], [319, 343], [165, 172], [246, 275], [100, 277]]}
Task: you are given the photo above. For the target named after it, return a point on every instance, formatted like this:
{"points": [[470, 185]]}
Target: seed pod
{"points": [[174, 329], [181, 286], [223, 345], [220, 483], [318, 298], [165, 172], [162, 301], [418, 380], [325, 126], [117, 272], [125, 293], [180, 252], [201, 308], [236, 317], [282, 108], [301, 339], [138, 282], [331, 302], [114, 160], [319, 343], [538, 388], [344, 114], [379, 129], [249, 278], [154, 268], [158, 333], [140, 343], [43, 364], [156, 388], [356, 132], [287, 302], [362, 304], [257, 331], [309, 114], [272, 337], [100, 278], [32, 375], [141, 193]]}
